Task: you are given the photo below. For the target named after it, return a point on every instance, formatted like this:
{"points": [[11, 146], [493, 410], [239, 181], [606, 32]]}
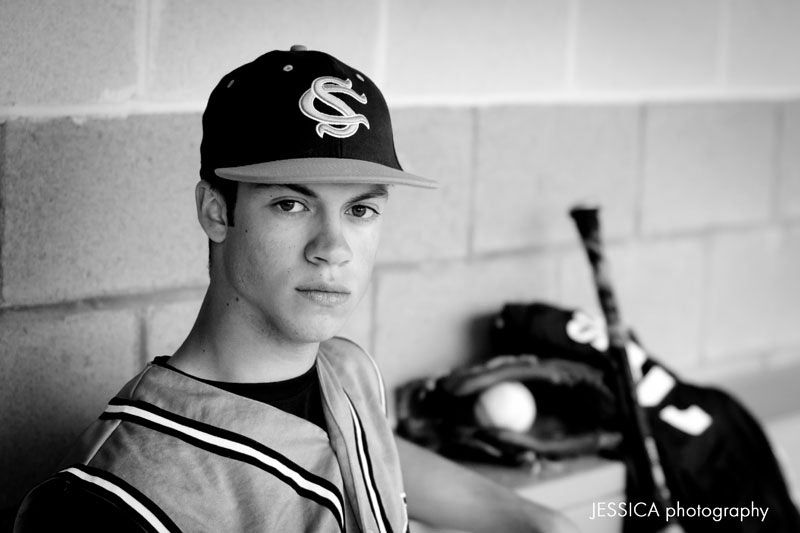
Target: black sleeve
{"points": [[62, 505]]}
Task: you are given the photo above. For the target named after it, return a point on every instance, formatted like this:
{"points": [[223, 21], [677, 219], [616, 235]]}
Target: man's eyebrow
{"points": [[379, 191], [300, 189], [291, 186]]}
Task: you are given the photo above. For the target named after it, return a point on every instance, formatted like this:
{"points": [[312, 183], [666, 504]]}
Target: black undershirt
{"points": [[299, 396]]}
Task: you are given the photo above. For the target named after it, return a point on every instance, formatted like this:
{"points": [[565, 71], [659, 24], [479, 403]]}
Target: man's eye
{"points": [[362, 211], [290, 206]]}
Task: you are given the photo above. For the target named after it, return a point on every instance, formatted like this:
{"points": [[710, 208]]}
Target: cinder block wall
{"points": [[681, 118]]}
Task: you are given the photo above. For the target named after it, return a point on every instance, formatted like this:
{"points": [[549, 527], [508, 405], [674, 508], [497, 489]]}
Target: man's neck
{"points": [[222, 347]]}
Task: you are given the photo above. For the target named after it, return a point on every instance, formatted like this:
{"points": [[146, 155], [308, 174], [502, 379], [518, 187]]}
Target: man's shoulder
{"points": [[355, 367], [346, 355], [97, 433], [341, 345], [59, 504]]}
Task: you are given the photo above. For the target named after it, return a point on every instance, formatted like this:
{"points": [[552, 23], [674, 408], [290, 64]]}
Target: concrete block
{"points": [[718, 372], [707, 165], [431, 319], [196, 42], [421, 224], [784, 438], [457, 48], [660, 291], [769, 392], [785, 355], [789, 165], [58, 371], [629, 45], [168, 324], [764, 44], [101, 207], [754, 292], [536, 162], [54, 53]]}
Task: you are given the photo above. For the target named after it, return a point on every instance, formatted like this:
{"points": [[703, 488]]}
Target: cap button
{"points": [[297, 48]]}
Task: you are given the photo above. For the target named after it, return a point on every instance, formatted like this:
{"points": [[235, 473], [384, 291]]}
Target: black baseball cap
{"points": [[300, 116]]}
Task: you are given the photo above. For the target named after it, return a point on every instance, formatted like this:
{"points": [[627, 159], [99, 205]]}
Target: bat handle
{"points": [[587, 220]]}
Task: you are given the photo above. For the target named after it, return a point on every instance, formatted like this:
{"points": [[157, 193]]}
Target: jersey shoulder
{"points": [[58, 504], [354, 364]]}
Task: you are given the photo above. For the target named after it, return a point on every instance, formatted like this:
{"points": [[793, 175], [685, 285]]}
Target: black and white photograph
{"points": [[392, 266]]}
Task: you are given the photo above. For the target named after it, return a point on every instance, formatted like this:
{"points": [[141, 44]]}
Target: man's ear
{"points": [[211, 211]]}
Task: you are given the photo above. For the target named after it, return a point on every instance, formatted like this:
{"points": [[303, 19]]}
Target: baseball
{"points": [[507, 405]]}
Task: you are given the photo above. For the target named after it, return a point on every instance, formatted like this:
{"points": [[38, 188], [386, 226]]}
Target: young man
{"points": [[263, 420]]}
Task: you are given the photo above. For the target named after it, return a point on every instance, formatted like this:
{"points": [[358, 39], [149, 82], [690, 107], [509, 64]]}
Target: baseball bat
{"points": [[637, 434]]}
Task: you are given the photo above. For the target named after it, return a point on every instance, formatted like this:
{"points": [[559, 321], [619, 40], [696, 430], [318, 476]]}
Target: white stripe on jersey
{"points": [[362, 459], [121, 493], [233, 446]]}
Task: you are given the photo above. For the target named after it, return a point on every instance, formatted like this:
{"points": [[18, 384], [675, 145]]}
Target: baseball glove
{"points": [[575, 411], [551, 332]]}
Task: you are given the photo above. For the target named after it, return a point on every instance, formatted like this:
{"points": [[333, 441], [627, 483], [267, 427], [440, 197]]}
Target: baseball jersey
{"points": [[182, 455]]}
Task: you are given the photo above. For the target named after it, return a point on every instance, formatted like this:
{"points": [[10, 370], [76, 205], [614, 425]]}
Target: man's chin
{"points": [[319, 324], [320, 332]]}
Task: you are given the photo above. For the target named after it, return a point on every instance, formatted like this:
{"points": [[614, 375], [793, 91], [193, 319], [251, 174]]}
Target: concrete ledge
{"points": [[570, 487]]}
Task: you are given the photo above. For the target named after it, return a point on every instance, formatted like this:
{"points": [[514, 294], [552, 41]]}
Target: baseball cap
{"points": [[300, 116]]}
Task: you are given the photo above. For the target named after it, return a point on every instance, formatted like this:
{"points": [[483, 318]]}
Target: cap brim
{"points": [[323, 170]]}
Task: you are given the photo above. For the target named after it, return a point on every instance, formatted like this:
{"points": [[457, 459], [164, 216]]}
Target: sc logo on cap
{"points": [[346, 123]]}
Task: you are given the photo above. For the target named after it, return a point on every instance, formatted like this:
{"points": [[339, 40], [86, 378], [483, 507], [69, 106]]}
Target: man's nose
{"points": [[329, 244]]}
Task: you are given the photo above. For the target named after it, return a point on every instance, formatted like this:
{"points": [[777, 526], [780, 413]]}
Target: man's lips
{"points": [[325, 294], [323, 286]]}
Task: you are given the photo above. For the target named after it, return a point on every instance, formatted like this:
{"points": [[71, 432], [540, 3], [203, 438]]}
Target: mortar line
{"points": [[777, 177], [140, 107], [141, 316], [382, 44], [472, 208], [373, 311], [708, 241], [111, 302], [722, 74], [642, 118], [571, 45], [3, 181], [142, 36]]}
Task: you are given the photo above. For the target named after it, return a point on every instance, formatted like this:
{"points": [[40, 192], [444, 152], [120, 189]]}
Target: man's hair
{"points": [[227, 188]]}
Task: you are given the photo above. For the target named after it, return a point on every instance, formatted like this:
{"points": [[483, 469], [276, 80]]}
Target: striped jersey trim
{"points": [[406, 525], [374, 496], [122, 493], [231, 445]]}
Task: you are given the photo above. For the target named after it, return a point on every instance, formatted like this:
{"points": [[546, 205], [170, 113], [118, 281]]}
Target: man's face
{"points": [[299, 258]]}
